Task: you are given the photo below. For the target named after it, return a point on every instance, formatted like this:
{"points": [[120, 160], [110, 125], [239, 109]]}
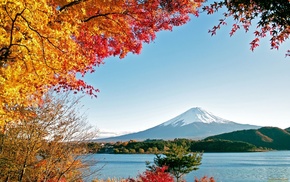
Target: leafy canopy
{"points": [[48, 43], [273, 18]]}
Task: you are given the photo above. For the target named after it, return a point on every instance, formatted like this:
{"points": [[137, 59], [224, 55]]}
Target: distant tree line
{"points": [[155, 146]]}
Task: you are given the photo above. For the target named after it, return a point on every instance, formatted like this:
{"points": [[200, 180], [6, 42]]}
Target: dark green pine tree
{"points": [[179, 161]]}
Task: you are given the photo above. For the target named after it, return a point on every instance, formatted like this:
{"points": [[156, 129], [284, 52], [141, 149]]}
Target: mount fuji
{"points": [[195, 123]]}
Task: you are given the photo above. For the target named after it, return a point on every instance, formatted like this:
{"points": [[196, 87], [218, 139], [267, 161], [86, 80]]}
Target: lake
{"points": [[271, 166]]}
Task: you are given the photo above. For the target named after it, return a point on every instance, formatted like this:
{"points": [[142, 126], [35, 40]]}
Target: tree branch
{"points": [[99, 15], [71, 4]]}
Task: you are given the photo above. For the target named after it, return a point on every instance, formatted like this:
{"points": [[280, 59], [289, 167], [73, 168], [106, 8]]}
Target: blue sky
{"points": [[189, 68]]}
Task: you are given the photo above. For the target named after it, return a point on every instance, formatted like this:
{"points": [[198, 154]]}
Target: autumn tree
{"points": [[51, 43], [47, 146], [158, 175], [179, 161], [272, 18]]}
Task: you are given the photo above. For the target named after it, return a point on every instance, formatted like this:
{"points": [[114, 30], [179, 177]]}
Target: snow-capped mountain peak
{"points": [[195, 123], [194, 115]]}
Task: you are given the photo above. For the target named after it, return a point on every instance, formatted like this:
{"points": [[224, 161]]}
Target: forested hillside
{"points": [[160, 146], [267, 137]]}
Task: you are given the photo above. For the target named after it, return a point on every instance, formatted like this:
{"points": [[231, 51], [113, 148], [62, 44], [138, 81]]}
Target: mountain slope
{"points": [[269, 137], [288, 130], [195, 123]]}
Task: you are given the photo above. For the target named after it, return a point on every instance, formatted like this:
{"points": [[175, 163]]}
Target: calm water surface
{"points": [[224, 167]]}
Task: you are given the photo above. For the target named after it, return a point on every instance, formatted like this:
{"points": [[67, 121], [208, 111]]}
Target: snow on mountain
{"points": [[195, 123], [194, 115]]}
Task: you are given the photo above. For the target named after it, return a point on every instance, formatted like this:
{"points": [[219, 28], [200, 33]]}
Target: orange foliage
{"points": [[46, 44]]}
